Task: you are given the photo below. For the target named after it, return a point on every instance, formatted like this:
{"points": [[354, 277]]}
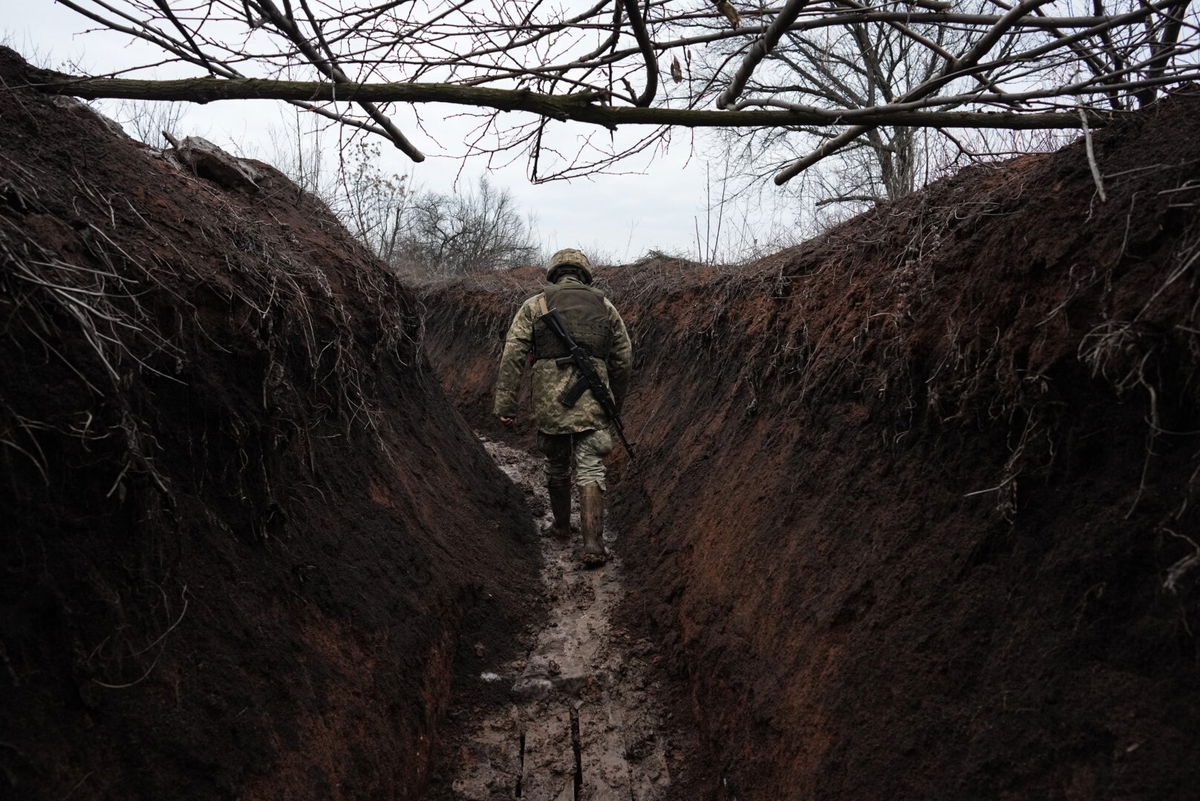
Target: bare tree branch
{"points": [[643, 40], [328, 66], [579, 107], [800, 70], [759, 51]]}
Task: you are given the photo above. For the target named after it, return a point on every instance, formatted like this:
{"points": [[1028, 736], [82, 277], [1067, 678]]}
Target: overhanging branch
{"points": [[578, 107]]}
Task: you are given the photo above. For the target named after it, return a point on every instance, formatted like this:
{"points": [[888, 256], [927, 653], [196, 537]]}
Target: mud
{"points": [[582, 719]]}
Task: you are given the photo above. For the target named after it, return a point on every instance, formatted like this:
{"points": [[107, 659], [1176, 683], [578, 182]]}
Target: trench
{"points": [[583, 719], [920, 522]]}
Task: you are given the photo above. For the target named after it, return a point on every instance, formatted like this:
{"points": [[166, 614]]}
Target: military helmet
{"points": [[569, 257]]}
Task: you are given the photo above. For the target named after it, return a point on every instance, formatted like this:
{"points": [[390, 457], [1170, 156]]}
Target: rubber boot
{"points": [[591, 515], [560, 506]]}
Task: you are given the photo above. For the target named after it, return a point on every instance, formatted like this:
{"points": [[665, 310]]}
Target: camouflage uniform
{"points": [[582, 430]]}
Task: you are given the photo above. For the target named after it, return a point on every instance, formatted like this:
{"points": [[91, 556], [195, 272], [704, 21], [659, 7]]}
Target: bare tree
{"points": [[419, 233], [298, 149], [623, 62], [856, 64], [442, 235], [149, 122], [373, 204]]}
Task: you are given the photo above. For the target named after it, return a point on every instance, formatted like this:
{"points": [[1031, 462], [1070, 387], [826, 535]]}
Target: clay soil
{"points": [[915, 514], [245, 537]]}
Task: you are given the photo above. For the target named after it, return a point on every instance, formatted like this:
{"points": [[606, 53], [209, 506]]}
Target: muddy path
{"points": [[582, 719]]}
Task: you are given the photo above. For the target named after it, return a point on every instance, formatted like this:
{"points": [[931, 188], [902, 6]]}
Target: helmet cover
{"points": [[569, 257]]}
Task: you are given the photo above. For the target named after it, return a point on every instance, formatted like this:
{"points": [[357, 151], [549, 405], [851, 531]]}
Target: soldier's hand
{"points": [[508, 421]]}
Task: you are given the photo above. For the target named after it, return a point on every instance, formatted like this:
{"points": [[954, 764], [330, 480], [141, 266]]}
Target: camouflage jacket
{"points": [[550, 380]]}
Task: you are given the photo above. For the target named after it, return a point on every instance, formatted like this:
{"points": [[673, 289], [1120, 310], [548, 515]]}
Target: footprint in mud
{"points": [[582, 721]]}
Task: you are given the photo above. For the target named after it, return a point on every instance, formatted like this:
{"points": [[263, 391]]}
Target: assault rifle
{"points": [[588, 377]]}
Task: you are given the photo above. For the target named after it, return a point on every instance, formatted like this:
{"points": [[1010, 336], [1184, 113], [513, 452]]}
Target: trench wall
{"points": [[246, 538], [915, 502]]}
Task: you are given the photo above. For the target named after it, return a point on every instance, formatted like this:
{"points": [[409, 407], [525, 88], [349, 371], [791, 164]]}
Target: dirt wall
{"points": [[246, 539], [917, 498]]}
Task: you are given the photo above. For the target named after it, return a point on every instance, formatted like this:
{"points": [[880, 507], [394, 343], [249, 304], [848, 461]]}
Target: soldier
{"points": [[577, 436]]}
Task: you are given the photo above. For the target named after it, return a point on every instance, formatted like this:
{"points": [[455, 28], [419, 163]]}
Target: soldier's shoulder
{"points": [[534, 301], [530, 302]]}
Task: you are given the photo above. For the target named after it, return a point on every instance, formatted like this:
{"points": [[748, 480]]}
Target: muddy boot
{"points": [[560, 506], [591, 515]]}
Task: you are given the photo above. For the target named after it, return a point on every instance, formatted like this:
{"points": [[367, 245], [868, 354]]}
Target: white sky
{"points": [[657, 205]]}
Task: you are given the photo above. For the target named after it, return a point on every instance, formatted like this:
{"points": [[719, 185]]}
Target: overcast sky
{"points": [[656, 204]]}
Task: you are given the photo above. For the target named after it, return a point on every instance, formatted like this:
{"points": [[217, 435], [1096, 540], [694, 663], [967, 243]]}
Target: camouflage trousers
{"points": [[585, 451]]}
